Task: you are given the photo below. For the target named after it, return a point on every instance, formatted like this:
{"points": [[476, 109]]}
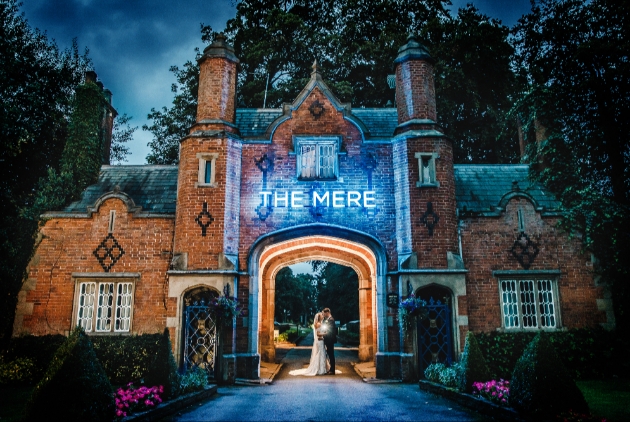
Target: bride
{"points": [[319, 364]]}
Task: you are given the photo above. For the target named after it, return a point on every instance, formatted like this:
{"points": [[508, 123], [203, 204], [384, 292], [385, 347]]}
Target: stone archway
{"points": [[360, 252]]}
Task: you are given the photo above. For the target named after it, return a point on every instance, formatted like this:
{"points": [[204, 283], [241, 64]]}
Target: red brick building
{"points": [[259, 189]]}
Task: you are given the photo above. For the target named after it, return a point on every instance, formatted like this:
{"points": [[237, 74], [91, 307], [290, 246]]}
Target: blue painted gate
{"points": [[435, 342], [200, 337]]}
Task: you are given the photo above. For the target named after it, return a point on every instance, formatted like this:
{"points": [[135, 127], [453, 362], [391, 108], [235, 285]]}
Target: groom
{"points": [[330, 338]]}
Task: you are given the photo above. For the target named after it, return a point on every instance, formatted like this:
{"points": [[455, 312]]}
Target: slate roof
{"points": [[479, 188], [152, 187], [381, 122], [253, 122]]}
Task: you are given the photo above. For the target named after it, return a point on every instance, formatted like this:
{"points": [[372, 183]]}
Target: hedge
{"points": [[587, 353]]}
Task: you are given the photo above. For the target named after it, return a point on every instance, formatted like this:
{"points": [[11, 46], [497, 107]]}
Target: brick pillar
{"points": [[216, 107], [207, 219], [427, 197], [415, 90]]}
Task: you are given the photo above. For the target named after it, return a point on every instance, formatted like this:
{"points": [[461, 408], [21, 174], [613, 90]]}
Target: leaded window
{"points": [[317, 158], [529, 303], [105, 307]]}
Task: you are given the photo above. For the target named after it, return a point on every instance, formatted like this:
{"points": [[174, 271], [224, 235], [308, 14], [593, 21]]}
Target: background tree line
{"points": [[51, 146], [300, 296]]}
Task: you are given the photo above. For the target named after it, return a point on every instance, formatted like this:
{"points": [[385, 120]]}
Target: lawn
{"points": [[12, 401], [608, 398]]}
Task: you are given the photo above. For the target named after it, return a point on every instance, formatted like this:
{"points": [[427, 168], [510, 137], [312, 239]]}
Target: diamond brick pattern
{"points": [[108, 252]]}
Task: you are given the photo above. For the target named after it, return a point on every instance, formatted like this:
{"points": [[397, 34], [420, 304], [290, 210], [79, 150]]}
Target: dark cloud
{"points": [[133, 43]]}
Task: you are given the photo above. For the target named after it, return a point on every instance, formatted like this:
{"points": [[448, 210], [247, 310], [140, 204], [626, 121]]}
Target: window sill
{"points": [[428, 185], [529, 330], [109, 334], [317, 179], [206, 185]]}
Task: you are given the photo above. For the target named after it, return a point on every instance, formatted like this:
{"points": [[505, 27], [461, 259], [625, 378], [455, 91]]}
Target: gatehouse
{"points": [[256, 190]]}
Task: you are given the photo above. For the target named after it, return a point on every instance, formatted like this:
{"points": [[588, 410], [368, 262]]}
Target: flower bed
{"points": [[135, 400], [495, 391]]}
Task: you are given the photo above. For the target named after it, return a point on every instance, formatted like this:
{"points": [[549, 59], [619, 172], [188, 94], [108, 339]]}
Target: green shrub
{"points": [[75, 386], [163, 369], [195, 379], [587, 353], [449, 375], [541, 385], [473, 366], [37, 349], [126, 358], [18, 371], [432, 372]]}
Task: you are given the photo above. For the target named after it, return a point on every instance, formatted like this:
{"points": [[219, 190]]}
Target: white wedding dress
{"points": [[319, 364]]}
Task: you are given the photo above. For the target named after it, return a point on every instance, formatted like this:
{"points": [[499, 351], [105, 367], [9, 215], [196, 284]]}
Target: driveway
{"points": [[325, 398]]}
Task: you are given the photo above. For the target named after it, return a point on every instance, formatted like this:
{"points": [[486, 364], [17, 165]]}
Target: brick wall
{"points": [[353, 170], [487, 242], [67, 247]]}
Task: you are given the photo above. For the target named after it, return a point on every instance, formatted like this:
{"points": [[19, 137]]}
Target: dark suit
{"points": [[330, 338]]}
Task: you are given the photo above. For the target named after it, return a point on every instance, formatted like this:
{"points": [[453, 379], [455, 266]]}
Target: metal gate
{"points": [[435, 342], [200, 337]]}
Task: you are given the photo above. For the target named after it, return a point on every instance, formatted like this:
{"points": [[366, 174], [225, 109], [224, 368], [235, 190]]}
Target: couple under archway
{"points": [[323, 352]]}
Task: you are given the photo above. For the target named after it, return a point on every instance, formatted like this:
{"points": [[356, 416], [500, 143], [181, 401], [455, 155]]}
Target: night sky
{"points": [[132, 43]]}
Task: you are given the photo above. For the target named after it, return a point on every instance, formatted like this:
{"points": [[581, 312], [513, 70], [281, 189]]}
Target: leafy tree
{"points": [[574, 55], [338, 289], [37, 83], [355, 43], [122, 134], [295, 295]]}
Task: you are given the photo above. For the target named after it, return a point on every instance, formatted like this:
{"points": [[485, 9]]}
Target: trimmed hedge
{"points": [[473, 367], [75, 386], [541, 385], [587, 353], [126, 358], [163, 369], [37, 349]]}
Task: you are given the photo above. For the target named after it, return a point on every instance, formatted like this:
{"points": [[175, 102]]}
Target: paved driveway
{"points": [[324, 398]]}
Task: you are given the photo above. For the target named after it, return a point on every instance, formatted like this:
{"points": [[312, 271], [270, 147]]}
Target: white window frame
{"points": [[104, 301], [518, 304], [318, 141], [205, 158], [425, 180]]}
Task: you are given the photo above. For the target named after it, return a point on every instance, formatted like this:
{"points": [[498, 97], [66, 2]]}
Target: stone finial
{"points": [[413, 50], [220, 48]]}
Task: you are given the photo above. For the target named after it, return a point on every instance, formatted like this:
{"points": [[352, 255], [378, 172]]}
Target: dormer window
{"points": [[207, 169], [426, 169], [317, 157]]}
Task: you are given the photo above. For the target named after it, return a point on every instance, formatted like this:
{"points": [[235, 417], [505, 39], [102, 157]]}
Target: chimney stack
{"points": [[415, 90], [216, 107]]}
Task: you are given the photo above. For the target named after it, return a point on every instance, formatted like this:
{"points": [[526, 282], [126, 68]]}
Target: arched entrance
{"points": [[363, 253]]}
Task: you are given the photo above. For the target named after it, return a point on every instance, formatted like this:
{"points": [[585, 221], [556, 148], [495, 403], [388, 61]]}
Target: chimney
{"points": [[216, 107], [109, 114], [415, 90]]}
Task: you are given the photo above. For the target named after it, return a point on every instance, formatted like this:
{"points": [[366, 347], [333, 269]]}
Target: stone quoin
{"points": [[256, 190]]}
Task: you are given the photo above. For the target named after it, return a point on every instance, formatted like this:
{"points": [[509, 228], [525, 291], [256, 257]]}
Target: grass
{"points": [[608, 398], [12, 401]]}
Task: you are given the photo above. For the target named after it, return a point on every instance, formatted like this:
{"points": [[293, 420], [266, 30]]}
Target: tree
{"points": [[355, 43], [337, 289], [574, 56], [37, 83], [295, 295]]}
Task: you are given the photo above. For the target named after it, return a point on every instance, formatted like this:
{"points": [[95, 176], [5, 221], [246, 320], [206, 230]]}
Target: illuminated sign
{"points": [[334, 199]]}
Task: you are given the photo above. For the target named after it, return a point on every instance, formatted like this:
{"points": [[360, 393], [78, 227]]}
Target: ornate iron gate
{"points": [[200, 337], [435, 342]]}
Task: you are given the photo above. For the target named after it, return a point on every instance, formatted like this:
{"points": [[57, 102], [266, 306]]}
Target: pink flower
{"points": [[119, 413], [148, 402]]}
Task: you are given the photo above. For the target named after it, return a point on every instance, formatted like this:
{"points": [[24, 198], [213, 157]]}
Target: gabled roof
{"points": [[151, 187], [485, 189], [480, 189]]}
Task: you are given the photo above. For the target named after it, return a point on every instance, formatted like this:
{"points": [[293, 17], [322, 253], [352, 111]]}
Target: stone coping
{"points": [[477, 404], [167, 408]]}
